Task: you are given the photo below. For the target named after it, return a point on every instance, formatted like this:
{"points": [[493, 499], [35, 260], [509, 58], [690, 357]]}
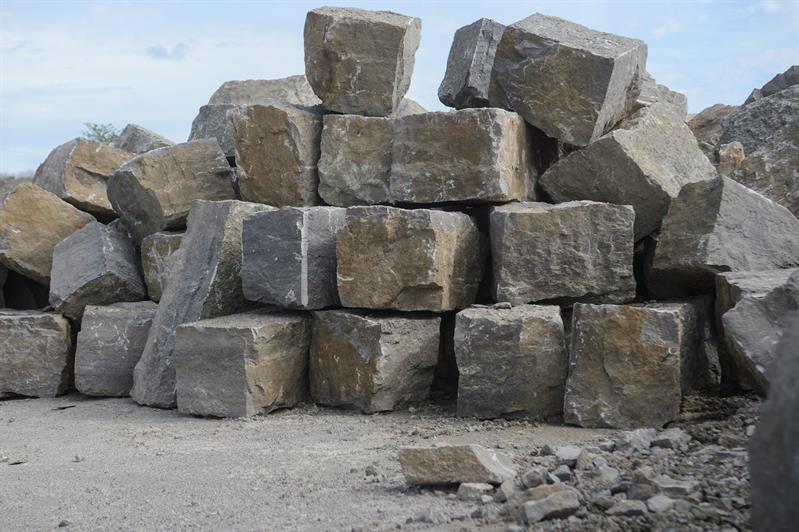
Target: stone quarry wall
{"points": [[558, 247]]}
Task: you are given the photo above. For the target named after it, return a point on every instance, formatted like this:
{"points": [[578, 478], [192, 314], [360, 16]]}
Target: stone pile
{"points": [[554, 245]]}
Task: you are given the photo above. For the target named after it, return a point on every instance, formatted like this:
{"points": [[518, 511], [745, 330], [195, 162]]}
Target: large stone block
{"points": [[754, 124], [156, 251], [644, 162], [474, 155], [575, 251], [32, 222], [402, 259], [358, 61], [572, 82], [203, 282], [242, 365], [372, 362], [511, 361], [716, 226], [732, 287], [289, 257], [707, 127], [110, 343], [36, 354], [154, 191], [215, 122], [471, 58], [136, 139], [277, 151], [78, 173], [95, 265], [653, 92], [355, 162]]}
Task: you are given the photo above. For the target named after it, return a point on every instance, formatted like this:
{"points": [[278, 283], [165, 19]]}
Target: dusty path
{"points": [[111, 465]]}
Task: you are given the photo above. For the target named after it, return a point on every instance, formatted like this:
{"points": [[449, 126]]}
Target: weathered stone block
{"points": [[95, 265], [707, 127], [644, 162], [476, 155], [36, 354], [32, 222], [471, 59], [156, 251], [110, 343], [455, 464], [720, 225], [214, 122], [652, 92], [242, 365], [355, 162], [511, 361], [136, 139], [754, 124], [289, 257], [203, 282], [154, 191], [408, 259], [358, 61], [372, 362], [575, 251], [732, 287], [277, 150], [572, 82], [78, 173]]}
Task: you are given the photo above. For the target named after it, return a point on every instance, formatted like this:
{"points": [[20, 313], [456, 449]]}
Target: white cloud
{"points": [[178, 52]]}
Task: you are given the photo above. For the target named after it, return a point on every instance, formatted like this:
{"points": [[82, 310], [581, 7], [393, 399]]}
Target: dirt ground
{"points": [[107, 464]]}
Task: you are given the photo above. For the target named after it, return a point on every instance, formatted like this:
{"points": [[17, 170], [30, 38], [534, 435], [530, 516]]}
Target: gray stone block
{"points": [[156, 251], [136, 139]]}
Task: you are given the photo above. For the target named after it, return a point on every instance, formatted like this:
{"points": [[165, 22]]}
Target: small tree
{"points": [[104, 133]]}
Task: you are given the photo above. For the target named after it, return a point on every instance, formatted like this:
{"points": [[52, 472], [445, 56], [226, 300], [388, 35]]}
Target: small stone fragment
{"points": [[730, 158], [638, 440], [646, 483], [137, 140], [535, 476], [454, 464], [559, 505], [562, 473], [156, 251], [568, 455], [659, 504], [472, 491], [627, 509], [674, 438]]}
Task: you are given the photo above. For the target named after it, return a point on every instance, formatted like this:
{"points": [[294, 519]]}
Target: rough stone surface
{"points": [[32, 222], [138, 140], [782, 81], [372, 362], [730, 157], [471, 58], [214, 122], [716, 226], [575, 251], [203, 282], [78, 173], [154, 191], [408, 259], [644, 162], [511, 362], [285, 174], [732, 287], [289, 257], [409, 107], [358, 61], [242, 365], [707, 127], [455, 464], [293, 90], [355, 162], [625, 366], [560, 504], [476, 155], [652, 92], [95, 265], [110, 343], [572, 82], [156, 251], [36, 354], [754, 124], [774, 464]]}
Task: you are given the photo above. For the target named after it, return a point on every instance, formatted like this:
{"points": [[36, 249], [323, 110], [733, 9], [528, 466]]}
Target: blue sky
{"points": [[155, 63]]}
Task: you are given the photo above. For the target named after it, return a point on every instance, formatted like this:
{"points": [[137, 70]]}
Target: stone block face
{"points": [[156, 251], [754, 124], [136, 139], [731, 287], [36, 354], [455, 464], [644, 162], [707, 127], [471, 58], [652, 92], [203, 282], [717, 226], [512, 362], [285, 174], [372, 362], [110, 343], [389, 258], [358, 61], [355, 162], [95, 265], [242, 365], [472, 155], [289, 257], [572, 82], [214, 122], [575, 251], [154, 191], [625, 366], [78, 173], [293, 90], [32, 222]]}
